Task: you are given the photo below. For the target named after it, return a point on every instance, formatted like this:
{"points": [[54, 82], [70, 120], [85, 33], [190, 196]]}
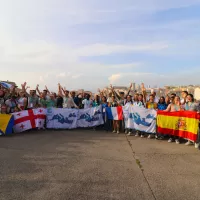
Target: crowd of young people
{"points": [[12, 101]]}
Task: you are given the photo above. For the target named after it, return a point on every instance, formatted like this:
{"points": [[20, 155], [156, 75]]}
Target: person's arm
{"points": [[23, 87], [129, 90], [144, 93], [114, 93], [12, 90], [112, 89], [117, 92], [63, 89], [37, 89], [47, 90], [168, 108], [73, 103], [27, 88], [117, 95], [99, 91], [60, 90], [106, 93]]}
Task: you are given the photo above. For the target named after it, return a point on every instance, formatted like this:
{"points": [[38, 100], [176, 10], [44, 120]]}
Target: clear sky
{"points": [[92, 43]]}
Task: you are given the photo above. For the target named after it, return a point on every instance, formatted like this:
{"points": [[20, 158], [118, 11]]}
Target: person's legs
{"points": [[137, 133], [114, 126], [197, 143], [118, 126], [177, 139]]}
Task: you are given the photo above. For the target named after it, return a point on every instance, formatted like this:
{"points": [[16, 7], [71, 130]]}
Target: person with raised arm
{"points": [[121, 96], [59, 99], [33, 100], [45, 92], [68, 102], [87, 102], [51, 102]]}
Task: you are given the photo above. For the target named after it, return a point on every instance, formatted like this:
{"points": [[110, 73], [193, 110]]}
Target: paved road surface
{"points": [[88, 165]]}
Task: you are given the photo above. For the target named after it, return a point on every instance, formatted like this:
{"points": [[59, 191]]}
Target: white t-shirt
{"points": [[138, 103], [109, 100], [87, 103], [68, 102]]}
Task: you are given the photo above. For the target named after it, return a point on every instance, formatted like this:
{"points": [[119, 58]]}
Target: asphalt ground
{"points": [[96, 165]]}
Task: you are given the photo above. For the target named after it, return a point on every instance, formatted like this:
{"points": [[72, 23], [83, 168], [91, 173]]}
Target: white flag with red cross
{"points": [[29, 119]]}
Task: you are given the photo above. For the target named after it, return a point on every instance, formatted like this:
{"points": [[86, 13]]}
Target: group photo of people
{"points": [[14, 99]]}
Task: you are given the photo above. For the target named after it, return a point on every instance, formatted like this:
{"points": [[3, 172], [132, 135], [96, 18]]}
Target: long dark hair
{"points": [[191, 95], [97, 99], [104, 97], [160, 100]]}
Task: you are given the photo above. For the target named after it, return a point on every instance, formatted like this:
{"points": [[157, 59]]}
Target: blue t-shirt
{"points": [[162, 106]]}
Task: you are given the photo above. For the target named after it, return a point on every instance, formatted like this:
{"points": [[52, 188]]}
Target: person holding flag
{"points": [[190, 105]]}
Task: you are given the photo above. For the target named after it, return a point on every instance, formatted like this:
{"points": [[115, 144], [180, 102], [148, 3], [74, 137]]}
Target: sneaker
{"points": [[170, 140], [136, 135], [142, 136], [117, 132], [177, 141], [156, 137], [114, 131], [129, 134], [150, 137], [188, 143], [161, 138], [196, 145], [126, 131]]}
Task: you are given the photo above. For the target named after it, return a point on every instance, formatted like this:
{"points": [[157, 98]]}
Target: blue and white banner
{"points": [[61, 118], [126, 109], [142, 119], [90, 117]]}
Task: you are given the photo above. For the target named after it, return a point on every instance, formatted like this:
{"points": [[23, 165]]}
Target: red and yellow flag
{"points": [[183, 124]]}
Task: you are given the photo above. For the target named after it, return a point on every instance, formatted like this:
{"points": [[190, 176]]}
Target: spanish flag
{"points": [[6, 124], [183, 124]]}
